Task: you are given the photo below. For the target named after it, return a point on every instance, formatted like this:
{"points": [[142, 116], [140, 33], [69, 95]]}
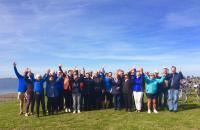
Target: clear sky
{"points": [[42, 34]]}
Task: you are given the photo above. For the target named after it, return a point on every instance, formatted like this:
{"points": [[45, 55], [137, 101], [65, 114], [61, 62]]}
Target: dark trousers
{"points": [[38, 98], [108, 100], [86, 102], [68, 99], [98, 100], [29, 99], [161, 95], [51, 105], [60, 101], [128, 101], [117, 102]]}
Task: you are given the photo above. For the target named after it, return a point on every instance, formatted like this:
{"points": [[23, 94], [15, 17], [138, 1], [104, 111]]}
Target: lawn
{"points": [[188, 118]]}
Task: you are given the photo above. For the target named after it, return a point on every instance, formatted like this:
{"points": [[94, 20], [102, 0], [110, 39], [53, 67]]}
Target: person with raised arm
{"points": [[22, 86], [67, 90], [174, 85], [29, 95], [152, 90], [38, 89], [52, 91], [138, 88]]}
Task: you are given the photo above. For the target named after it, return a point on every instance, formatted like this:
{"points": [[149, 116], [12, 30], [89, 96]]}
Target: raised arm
{"points": [[31, 75], [146, 78], [46, 76], [161, 80], [60, 68], [16, 71]]}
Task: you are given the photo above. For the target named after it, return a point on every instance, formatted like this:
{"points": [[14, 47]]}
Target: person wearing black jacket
{"points": [[98, 87], [127, 93], [87, 92]]}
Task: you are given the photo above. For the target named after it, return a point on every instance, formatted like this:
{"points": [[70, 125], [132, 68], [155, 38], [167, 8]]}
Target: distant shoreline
{"points": [[8, 96]]}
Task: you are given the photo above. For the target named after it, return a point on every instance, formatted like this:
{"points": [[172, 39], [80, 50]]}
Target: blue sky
{"points": [[42, 34]]}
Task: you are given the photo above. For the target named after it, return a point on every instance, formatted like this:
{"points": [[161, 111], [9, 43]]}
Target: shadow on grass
{"points": [[185, 107]]}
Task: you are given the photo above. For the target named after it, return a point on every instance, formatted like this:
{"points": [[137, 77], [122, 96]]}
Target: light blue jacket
{"points": [[152, 84]]}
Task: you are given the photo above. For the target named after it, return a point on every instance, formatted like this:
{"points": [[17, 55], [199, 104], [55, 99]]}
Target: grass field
{"points": [[188, 118]]}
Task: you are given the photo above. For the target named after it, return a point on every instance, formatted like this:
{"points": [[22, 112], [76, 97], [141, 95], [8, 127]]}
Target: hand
{"points": [[48, 71], [60, 66], [14, 64]]}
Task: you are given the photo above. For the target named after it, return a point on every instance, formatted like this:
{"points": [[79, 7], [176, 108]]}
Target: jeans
{"points": [[173, 99], [117, 103], [76, 101]]}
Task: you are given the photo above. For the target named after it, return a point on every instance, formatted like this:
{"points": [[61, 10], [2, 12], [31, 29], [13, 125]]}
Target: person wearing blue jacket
{"points": [[138, 89], [152, 89], [174, 85], [60, 86], [38, 89], [52, 92], [107, 92], [22, 86]]}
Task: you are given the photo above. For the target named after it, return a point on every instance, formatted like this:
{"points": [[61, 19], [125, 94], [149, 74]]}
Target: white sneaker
{"points": [[149, 111], [155, 111], [74, 112], [69, 110], [79, 111], [26, 114], [66, 110]]}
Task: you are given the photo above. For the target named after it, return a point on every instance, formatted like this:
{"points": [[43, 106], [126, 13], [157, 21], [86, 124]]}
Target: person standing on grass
{"points": [[174, 81], [38, 82], [164, 90], [67, 90], [107, 92], [60, 87], [29, 95], [87, 92], [152, 89], [138, 89], [116, 89], [159, 93], [76, 93], [22, 86], [52, 92], [98, 87], [127, 93]]}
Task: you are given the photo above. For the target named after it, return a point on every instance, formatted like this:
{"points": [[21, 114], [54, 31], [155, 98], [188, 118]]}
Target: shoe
{"points": [[149, 111], [21, 113], [155, 111], [69, 110], [26, 114], [31, 113], [79, 111], [74, 112], [66, 110]]}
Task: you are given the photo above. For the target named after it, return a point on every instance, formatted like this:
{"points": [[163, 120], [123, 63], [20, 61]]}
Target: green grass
{"points": [[188, 118]]}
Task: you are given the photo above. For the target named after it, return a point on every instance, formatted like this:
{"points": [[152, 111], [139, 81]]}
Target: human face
{"points": [[87, 75], [138, 73], [173, 69], [152, 76]]}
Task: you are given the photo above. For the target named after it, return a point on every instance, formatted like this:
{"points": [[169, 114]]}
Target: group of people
{"points": [[77, 90]]}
